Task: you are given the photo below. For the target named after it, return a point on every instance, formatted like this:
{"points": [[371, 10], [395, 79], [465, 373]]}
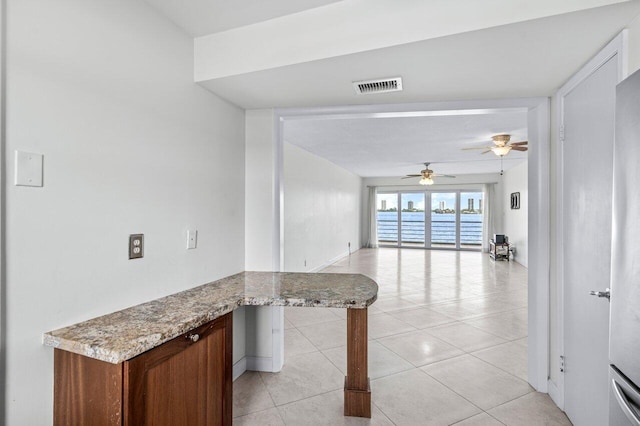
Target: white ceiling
{"points": [[201, 17], [525, 59], [397, 146], [305, 53]]}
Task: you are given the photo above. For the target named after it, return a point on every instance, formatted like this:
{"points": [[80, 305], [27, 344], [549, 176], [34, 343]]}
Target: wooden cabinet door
{"points": [[186, 381]]}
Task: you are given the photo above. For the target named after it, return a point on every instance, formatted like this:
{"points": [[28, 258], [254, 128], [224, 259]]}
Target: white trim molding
{"points": [[3, 201], [256, 363], [239, 368], [253, 363], [277, 350], [539, 243], [331, 261]]}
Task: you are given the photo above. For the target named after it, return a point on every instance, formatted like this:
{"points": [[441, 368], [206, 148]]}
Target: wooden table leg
{"points": [[357, 391]]}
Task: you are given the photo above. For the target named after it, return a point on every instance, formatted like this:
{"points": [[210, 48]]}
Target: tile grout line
{"points": [[430, 376], [498, 367], [368, 269]]}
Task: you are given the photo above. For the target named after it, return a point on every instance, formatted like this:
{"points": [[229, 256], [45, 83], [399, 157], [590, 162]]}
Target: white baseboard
{"points": [[239, 368], [521, 264], [555, 394], [252, 363], [256, 363], [331, 261]]}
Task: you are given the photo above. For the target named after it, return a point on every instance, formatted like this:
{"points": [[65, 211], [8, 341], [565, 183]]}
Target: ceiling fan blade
{"points": [[519, 148], [519, 143], [439, 175], [478, 147], [486, 151], [411, 176]]}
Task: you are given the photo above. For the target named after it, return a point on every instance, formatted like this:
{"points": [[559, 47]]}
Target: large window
{"points": [[430, 219], [387, 218], [412, 219], [471, 219], [444, 219]]}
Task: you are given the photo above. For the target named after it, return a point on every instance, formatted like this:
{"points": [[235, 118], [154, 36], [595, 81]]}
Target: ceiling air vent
{"points": [[381, 85]]}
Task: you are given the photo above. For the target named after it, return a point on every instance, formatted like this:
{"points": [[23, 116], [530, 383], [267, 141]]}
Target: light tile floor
{"points": [[447, 345]]}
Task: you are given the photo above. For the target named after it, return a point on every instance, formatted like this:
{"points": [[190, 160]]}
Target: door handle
{"points": [[625, 404], [606, 293]]}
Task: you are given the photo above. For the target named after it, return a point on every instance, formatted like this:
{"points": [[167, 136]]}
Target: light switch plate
{"points": [[28, 169], [192, 239]]}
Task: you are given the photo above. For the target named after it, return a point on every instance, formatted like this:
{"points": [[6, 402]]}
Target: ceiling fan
{"points": [[502, 146], [427, 175]]}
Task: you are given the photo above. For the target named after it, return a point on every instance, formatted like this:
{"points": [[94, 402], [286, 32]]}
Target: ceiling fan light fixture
{"points": [[501, 150], [426, 181]]}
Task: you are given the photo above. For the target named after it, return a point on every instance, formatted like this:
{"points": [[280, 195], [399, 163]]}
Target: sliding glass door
{"points": [[412, 219], [387, 206], [430, 219], [471, 219], [444, 220]]}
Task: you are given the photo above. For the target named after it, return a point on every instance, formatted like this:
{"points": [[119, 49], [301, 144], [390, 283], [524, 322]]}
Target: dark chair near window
{"points": [[499, 247]]}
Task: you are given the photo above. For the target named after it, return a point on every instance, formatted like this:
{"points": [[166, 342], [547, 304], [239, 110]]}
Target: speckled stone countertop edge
{"points": [[121, 355], [95, 346], [309, 303]]}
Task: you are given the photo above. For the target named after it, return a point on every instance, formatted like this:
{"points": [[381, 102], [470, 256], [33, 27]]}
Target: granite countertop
{"points": [[125, 334]]}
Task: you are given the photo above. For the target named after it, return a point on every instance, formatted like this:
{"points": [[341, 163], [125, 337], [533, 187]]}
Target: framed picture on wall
{"points": [[515, 200]]}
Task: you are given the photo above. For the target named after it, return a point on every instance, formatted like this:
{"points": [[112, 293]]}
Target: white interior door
{"points": [[587, 156]]}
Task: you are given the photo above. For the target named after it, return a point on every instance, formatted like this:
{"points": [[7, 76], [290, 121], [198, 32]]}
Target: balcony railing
{"points": [[442, 232]]}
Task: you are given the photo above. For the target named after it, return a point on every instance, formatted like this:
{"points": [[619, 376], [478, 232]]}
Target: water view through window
{"points": [[452, 219], [387, 218], [412, 218]]}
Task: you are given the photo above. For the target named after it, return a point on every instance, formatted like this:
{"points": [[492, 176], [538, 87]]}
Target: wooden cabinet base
{"points": [[86, 391], [185, 381], [357, 403]]}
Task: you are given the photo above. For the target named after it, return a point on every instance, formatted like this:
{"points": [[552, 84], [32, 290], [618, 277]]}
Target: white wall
{"points": [[515, 222], [554, 247], [263, 324], [321, 211], [259, 195], [326, 32], [104, 89]]}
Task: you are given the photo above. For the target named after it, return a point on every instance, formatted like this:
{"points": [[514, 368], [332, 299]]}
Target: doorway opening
{"points": [[538, 123]]}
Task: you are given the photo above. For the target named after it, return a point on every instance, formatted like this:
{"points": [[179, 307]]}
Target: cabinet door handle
{"points": [[194, 337]]}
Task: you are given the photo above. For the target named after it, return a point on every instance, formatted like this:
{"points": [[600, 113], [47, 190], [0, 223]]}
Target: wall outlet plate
{"points": [[136, 246], [192, 239], [28, 169]]}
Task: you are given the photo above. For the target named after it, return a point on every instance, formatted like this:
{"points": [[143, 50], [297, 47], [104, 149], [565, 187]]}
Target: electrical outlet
{"points": [[136, 246]]}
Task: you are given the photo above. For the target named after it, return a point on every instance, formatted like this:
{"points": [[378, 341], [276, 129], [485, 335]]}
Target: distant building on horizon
{"points": [[470, 204], [410, 205], [480, 204], [383, 205], [443, 205]]}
